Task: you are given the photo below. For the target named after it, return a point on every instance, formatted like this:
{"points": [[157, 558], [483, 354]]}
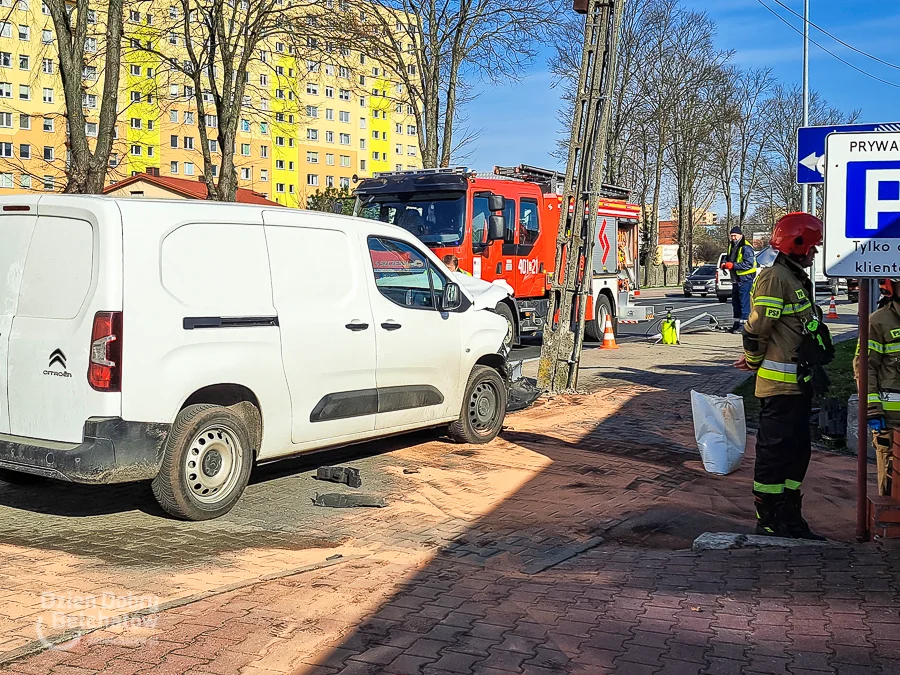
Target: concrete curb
{"points": [[724, 541]]}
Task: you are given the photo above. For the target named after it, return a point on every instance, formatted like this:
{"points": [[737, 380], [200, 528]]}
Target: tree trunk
{"points": [[449, 113], [657, 186]]}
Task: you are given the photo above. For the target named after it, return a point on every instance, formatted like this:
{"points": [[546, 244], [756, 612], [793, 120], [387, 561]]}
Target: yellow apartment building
{"points": [[315, 116]]}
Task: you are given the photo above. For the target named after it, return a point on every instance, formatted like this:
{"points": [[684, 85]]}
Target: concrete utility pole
{"points": [[804, 190], [573, 271]]}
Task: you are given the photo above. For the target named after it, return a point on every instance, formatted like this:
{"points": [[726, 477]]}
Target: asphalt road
{"points": [[682, 308]]}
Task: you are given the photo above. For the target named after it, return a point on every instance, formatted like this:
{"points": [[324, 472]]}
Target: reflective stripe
{"points": [[892, 407], [768, 489], [874, 398], [766, 301], [890, 401], [875, 347], [792, 484], [754, 360], [752, 270], [796, 308], [892, 348], [780, 367], [778, 372]]}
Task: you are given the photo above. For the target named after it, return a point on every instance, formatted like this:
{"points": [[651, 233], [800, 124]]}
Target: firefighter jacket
{"points": [[744, 258], [884, 363], [781, 302]]}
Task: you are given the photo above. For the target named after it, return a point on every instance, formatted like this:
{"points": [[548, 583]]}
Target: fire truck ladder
{"points": [[573, 272]]}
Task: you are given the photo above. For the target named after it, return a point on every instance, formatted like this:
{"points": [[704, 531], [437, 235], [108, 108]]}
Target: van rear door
{"points": [[15, 233], [50, 336]]}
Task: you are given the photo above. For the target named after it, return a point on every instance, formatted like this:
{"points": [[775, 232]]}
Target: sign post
{"points": [[862, 240]]}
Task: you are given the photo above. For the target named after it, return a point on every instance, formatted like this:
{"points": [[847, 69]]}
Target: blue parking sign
{"points": [[873, 200]]}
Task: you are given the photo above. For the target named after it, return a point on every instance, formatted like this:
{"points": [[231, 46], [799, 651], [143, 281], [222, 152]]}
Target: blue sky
{"points": [[519, 124]]}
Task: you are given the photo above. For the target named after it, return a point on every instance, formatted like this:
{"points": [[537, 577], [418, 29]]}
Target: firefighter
{"points": [[884, 377], [740, 260], [451, 262], [786, 343]]}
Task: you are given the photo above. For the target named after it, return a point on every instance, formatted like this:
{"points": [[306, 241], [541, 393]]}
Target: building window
{"points": [[290, 166], [135, 97], [362, 143], [24, 121], [264, 175], [246, 173], [312, 89], [25, 181], [90, 45], [90, 128], [312, 157], [135, 70], [362, 165], [245, 126], [173, 116], [345, 139], [312, 134], [398, 129], [344, 116], [135, 123], [329, 137], [5, 60], [188, 118], [279, 140], [6, 180], [150, 151], [47, 66], [188, 142], [6, 149], [411, 150], [279, 187], [245, 149], [89, 101], [173, 141], [329, 159], [411, 129], [312, 179], [5, 90], [279, 164], [213, 145], [49, 183], [398, 149], [49, 124], [345, 182], [188, 168], [344, 94], [46, 36], [329, 181], [135, 150], [345, 160], [5, 120], [25, 151], [173, 167], [312, 111], [264, 151]]}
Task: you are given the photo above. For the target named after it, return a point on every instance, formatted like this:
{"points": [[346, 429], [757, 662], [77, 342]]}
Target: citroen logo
{"points": [[57, 357]]}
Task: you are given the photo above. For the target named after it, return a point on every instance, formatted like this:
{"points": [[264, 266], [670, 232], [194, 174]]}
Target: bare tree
{"points": [[77, 36], [439, 48]]}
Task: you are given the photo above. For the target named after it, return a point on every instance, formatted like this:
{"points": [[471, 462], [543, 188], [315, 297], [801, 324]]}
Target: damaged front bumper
{"points": [[112, 451]]}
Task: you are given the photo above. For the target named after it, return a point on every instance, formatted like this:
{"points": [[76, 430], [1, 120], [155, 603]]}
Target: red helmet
{"points": [[796, 233]]}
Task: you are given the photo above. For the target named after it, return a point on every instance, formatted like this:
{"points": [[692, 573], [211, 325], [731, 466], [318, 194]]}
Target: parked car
{"points": [[183, 342], [853, 290], [701, 281], [723, 281]]}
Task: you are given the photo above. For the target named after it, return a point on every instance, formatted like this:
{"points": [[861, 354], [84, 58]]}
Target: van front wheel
{"points": [[483, 408], [206, 464]]}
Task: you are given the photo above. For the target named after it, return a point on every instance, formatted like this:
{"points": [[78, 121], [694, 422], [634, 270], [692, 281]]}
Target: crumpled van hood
{"points": [[485, 294]]}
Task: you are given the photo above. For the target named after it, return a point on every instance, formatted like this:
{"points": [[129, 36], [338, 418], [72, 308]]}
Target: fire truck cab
{"points": [[501, 228]]}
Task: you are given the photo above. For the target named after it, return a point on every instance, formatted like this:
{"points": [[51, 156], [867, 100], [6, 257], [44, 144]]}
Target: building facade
{"points": [[315, 115]]}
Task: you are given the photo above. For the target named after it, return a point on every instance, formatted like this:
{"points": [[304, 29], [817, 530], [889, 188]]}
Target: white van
{"points": [[185, 341]]}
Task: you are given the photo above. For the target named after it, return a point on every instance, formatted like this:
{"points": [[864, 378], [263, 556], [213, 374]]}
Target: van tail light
{"points": [[105, 369]]}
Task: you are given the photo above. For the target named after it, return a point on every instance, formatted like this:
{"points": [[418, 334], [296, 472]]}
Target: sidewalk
{"points": [[561, 547]]}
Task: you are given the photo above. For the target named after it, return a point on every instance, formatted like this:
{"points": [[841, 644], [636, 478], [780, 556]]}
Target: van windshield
{"points": [[436, 219]]}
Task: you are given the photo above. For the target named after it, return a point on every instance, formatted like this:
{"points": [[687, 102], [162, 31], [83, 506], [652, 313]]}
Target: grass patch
{"points": [[843, 384]]}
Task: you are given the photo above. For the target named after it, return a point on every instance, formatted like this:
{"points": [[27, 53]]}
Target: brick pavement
{"points": [[486, 561]]}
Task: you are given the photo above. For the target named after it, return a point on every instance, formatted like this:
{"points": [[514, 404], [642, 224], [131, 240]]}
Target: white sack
{"points": [[721, 431]]}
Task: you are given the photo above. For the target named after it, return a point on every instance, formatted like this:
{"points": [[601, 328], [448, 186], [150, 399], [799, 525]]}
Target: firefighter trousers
{"points": [[882, 440], [783, 444]]}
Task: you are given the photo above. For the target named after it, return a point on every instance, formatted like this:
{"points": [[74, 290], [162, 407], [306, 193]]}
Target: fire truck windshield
{"points": [[437, 220]]}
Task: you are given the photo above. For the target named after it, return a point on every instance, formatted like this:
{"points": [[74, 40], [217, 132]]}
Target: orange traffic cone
{"points": [[832, 310], [609, 337]]}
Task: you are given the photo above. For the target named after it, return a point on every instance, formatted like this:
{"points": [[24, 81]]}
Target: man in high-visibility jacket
{"points": [[884, 378], [740, 260], [783, 309]]}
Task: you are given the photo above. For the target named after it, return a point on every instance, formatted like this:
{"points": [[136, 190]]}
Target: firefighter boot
{"points": [[794, 522], [769, 519]]}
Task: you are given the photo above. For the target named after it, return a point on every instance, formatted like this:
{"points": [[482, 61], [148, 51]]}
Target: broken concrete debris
{"points": [[340, 474]]}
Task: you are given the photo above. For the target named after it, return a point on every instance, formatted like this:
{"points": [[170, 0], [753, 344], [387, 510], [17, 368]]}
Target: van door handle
{"points": [[390, 325], [356, 326]]}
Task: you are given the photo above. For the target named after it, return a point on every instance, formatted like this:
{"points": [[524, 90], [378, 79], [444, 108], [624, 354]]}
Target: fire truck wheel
{"points": [[483, 408], [594, 329], [503, 310]]}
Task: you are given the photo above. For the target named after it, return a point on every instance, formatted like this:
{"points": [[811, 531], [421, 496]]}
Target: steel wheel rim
{"points": [[213, 463], [484, 405]]}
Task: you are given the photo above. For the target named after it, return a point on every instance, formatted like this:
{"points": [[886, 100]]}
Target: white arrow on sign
{"points": [[814, 162]]}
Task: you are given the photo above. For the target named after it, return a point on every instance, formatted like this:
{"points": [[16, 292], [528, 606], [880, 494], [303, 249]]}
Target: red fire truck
{"points": [[503, 226]]}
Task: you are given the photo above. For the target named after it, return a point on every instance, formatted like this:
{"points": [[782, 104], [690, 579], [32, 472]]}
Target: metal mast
{"points": [[573, 272]]}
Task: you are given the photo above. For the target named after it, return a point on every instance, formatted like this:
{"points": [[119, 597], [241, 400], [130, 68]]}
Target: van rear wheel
{"points": [[206, 464], [483, 408]]}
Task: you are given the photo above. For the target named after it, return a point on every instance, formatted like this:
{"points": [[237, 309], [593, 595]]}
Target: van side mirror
{"points": [[496, 228], [496, 203], [451, 300]]}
